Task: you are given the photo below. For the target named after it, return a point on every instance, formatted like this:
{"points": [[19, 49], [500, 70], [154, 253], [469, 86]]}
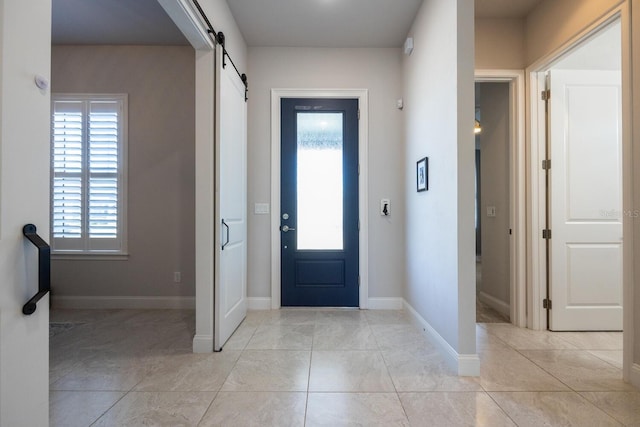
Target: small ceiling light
{"points": [[477, 128]]}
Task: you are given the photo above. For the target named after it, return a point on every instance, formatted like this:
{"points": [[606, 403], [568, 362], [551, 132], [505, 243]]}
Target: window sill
{"points": [[95, 256]]}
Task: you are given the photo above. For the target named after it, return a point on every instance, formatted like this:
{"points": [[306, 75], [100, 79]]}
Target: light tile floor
{"points": [[326, 367]]}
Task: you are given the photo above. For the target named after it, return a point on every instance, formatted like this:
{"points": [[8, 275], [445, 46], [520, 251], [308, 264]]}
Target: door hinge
{"points": [[358, 280], [546, 303], [358, 225], [358, 114], [545, 95], [546, 234], [546, 164]]}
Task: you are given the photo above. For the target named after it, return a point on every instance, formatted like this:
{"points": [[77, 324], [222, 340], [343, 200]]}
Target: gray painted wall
{"points": [[439, 113], [379, 71], [499, 43], [160, 82]]}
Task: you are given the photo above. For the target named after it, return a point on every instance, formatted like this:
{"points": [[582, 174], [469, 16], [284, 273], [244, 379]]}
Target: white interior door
{"points": [[586, 200], [230, 298], [25, 51]]}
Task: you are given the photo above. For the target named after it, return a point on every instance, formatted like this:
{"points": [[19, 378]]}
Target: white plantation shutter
{"points": [[88, 173], [67, 154], [103, 170]]}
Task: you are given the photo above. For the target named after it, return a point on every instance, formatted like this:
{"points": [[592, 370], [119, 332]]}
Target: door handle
{"points": [[228, 232], [44, 267], [286, 229]]}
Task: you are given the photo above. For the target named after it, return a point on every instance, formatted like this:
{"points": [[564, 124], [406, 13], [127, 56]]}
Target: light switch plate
{"points": [[491, 211], [261, 209], [383, 203]]}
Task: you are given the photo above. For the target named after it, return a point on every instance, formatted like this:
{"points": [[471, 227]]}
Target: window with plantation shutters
{"points": [[88, 156]]}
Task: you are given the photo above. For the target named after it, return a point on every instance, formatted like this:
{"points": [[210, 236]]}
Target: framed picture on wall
{"points": [[422, 174]]}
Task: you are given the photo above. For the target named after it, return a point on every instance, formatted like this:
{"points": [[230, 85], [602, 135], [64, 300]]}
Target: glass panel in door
{"points": [[319, 181]]}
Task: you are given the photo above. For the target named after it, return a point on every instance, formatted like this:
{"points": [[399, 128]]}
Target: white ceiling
{"points": [[339, 23], [324, 23], [307, 23]]}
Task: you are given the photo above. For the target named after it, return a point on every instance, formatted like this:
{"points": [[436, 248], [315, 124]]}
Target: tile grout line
{"points": [[545, 370], [376, 339], [306, 403], [488, 393], [504, 411], [606, 361], [597, 407], [532, 361], [395, 387], [208, 407], [229, 373], [109, 408], [612, 415]]}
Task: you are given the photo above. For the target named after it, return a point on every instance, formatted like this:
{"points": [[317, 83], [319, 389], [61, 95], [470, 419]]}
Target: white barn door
{"points": [[586, 200], [230, 296], [25, 51]]}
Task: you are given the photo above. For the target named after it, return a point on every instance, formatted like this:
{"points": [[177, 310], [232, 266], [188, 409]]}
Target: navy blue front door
{"points": [[319, 202]]}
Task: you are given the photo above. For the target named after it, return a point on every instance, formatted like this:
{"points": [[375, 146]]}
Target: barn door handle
{"points": [[228, 232], [44, 268]]}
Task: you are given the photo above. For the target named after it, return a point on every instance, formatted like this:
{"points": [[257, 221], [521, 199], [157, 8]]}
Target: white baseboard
{"points": [[264, 303], [385, 303], [466, 365], [254, 303], [203, 344], [123, 302], [635, 375], [493, 302]]}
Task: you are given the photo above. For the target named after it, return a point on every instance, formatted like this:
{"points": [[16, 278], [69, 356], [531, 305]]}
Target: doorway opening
{"points": [[502, 122], [580, 143], [493, 221], [319, 202], [277, 95]]}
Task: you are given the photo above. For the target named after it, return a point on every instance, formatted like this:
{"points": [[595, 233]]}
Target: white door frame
{"points": [[187, 20], [517, 188], [537, 270], [362, 95]]}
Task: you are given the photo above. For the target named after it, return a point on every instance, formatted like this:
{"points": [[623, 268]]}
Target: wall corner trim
{"points": [[466, 365], [203, 344]]}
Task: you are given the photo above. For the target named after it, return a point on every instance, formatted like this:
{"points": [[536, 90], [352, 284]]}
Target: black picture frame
{"points": [[422, 174]]}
